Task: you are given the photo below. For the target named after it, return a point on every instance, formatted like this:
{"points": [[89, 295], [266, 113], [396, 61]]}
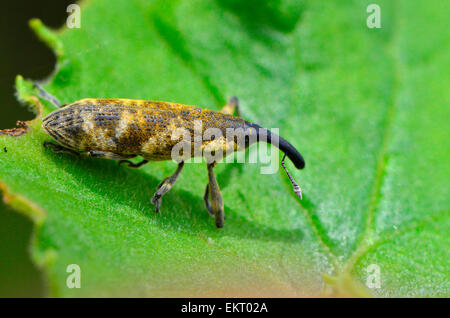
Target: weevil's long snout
{"points": [[266, 135]]}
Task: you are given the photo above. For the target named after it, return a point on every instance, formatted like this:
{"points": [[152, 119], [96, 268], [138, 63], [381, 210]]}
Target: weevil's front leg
{"points": [[58, 148], [165, 186], [216, 205], [231, 106], [131, 164], [52, 99]]}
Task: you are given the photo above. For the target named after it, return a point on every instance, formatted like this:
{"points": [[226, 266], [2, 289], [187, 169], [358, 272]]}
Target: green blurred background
{"points": [[22, 53]]}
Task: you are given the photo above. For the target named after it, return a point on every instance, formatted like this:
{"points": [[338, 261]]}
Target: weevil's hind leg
{"points": [[108, 155], [231, 106], [165, 186], [52, 99], [131, 164], [216, 204], [58, 148]]}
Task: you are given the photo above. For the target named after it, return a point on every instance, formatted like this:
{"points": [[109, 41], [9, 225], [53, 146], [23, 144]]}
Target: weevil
{"points": [[121, 129]]}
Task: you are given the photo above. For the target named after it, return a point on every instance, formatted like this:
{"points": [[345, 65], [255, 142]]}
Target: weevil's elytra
{"points": [[124, 128]]}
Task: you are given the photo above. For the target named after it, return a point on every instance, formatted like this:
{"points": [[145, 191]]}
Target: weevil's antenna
{"points": [[297, 189], [52, 99]]}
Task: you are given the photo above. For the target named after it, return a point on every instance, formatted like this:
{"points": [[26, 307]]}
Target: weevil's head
{"points": [[60, 126]]}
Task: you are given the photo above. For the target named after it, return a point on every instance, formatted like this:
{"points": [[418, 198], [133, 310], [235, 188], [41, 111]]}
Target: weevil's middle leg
{"points": [[58, 148], [231, 106], [165, 186], [206, 199], [52, 99], [216, 206]]}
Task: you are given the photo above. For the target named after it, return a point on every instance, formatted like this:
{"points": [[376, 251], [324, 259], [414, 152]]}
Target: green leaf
{"points": [[367, 107]]}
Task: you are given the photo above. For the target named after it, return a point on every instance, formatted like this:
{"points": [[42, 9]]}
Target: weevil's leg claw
{"points": [[130, 164], [157, 205], [216, 197], [165, 186], [58, 148]]}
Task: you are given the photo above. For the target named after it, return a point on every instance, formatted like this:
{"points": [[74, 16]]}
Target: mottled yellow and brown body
{"points": [[124, 128], [129, 127]]}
